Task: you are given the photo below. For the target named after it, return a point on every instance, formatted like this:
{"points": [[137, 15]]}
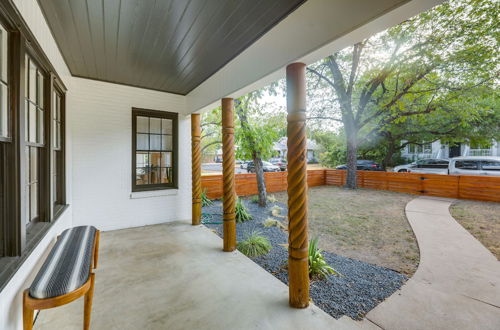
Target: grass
{"points": [[242, 213], [368, 225], [254, 245], [482, 220]]}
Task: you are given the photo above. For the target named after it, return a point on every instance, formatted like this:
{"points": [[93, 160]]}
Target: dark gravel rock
{"points": [[361, 287]]}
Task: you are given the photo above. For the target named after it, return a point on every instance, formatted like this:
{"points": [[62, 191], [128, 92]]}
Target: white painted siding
{"points": [[101, 126]]}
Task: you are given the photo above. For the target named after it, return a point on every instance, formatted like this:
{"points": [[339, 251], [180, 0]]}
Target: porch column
{"points": [[229, 193], [196, 168], [298, 268]]}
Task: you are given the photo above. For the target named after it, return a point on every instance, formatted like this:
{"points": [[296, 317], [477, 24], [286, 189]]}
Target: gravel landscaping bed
{"points": [[361, 287]]}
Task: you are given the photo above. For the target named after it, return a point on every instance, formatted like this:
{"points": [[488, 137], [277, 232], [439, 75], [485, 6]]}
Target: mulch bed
{"points": [[361, 287]]}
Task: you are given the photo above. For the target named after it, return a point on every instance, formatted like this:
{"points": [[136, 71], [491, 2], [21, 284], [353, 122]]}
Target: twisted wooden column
{"points": [[196, 168], [298, 267], [229, 193]]}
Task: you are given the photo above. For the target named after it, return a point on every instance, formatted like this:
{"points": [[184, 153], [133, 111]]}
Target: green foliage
{"points": [[242, 213], [255, 199], [205, 201], [318, 267], [254, 245]]}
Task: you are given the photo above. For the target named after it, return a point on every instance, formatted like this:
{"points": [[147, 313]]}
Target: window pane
{"points": [[142, 142], [40, 122], [142, 124], [467, 165], [33, 201], [155, 176], [141, 175], [32, 81], [166, 159], [166, 175], [3, 54], [155, 159], [166, 126], [166, 142], [142, 159], [155, 141], [491, 165], [32, 122], [33, 164], [155, 125], [4, 126], [40, 90]]}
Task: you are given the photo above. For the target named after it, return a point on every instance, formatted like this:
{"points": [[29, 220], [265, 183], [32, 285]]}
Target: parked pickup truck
{"points": [[471, 165]]}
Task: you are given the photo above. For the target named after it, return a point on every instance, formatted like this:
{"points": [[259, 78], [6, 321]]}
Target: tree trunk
{"points": [[261, 182], [388, 156], [352, 149]]}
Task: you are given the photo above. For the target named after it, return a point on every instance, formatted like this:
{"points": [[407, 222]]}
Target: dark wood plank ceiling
{"points": [[168, 45]]}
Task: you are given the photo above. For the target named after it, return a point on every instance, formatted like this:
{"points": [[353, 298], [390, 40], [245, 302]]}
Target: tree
{"points": [[401, 76], [259, 127], [211, 134]]}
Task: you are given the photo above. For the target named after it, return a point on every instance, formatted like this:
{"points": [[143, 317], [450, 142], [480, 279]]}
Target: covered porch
{"points": [[159, 268]]}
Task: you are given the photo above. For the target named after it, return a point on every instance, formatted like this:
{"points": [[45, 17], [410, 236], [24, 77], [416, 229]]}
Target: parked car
{"points": [[244, 165], [363, 165], [428, 165], [266, 166], [280, 162], [480, 165]]}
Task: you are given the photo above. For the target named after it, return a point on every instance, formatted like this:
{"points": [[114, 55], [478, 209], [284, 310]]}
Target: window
{"points": [[4, 95], [425, 148], [32, 101], [154, 150], [467, 164], [490, 165]]}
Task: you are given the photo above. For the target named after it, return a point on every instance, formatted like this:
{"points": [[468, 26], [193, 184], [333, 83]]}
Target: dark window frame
{"points": [[155, 114], [19, 238]]}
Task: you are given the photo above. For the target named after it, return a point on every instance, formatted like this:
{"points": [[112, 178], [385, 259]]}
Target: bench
{"points": [[66, 274]]}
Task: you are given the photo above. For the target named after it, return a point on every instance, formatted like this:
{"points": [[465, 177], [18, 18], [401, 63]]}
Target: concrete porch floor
{"points": [[175, 276]]}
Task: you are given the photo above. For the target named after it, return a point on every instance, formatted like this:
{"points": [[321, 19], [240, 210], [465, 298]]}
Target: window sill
{"points": [[34, 234], [153, 193]]}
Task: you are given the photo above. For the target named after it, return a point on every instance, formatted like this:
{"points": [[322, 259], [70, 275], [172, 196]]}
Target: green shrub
{"points": [[317, 264], [205, 201], [242, 213], [255, 199], [254, 245], [276, 211], [271, 199]]}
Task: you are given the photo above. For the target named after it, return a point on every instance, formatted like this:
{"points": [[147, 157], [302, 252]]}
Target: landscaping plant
{"points": [[242, 213], [255, 199], [276, 211], [271, 199], [318, 267], [254, 245], [205, 201]]}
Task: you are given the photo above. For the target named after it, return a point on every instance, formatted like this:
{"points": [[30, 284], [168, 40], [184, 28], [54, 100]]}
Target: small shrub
{"points": [[276, 211], [317, 264], [242, 213], [271, 199], [255, 199], [270, 222], [254, 245], [205, 201]]}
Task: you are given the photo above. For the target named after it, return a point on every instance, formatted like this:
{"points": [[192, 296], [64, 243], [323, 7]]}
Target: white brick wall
{"points": [[101, 128]]}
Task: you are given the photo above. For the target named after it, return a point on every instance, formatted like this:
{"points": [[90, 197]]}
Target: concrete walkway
{"points": [[457, 284], [175, 276]]}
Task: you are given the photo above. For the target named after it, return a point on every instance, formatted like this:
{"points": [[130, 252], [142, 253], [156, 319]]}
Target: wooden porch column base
{"points": [[298, 267], [229, 197], [196, 168]]}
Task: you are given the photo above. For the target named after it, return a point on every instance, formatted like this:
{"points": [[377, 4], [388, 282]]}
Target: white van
{"points": [[484, 165]]}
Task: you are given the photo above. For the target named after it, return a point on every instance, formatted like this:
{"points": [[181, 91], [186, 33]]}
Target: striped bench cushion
{"points": [[68, 265]]}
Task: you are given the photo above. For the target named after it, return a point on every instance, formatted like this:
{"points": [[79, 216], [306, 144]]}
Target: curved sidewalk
{"points": [[457, 284]]}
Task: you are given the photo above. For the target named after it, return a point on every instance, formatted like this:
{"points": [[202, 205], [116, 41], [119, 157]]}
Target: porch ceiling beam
{"points": [[196, 168], [229, 192], [298, 267]]}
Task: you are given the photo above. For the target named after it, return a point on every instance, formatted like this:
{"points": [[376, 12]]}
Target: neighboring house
{"points": [[312, 149], [438, 150]]}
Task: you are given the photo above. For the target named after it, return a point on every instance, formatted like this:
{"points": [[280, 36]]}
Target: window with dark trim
{"points": [[154, 150], [32, 168]]}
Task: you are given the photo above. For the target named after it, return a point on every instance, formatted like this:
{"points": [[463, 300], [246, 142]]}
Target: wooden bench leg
{"points": [[27, 313], [87, 309], [96, 248]]}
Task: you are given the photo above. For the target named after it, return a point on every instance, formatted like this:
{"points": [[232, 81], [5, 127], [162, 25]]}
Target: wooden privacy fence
{"points": [[484, 188]]}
